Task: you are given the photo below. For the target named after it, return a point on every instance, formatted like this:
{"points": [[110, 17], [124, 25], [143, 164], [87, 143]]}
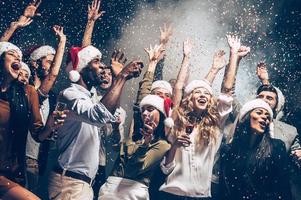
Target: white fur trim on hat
{"points": [[198, 84], [158, 103], [162, 84], [41, 52], [280, 100], [25, 67], [7, 46], [253, 104]]}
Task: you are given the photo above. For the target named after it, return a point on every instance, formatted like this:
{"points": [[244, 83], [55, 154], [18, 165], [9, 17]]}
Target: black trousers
{"points": [[169, 196], [99, 180]]}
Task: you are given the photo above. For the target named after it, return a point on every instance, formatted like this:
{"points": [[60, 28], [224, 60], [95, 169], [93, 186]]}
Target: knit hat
{"points": [[41, 52], [162, 84], [80, 57], [163, 105], [251, 105], [25, 67], [7, 46], [198, 84]]}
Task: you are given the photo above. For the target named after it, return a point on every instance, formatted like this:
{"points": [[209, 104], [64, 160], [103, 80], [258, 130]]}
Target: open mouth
{"points": [[202, 101], [16, 66], [104, 81], [262, 124]]}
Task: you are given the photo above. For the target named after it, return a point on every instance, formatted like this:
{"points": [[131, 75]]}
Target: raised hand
{"points": [[262, 71], [182, 141], [154, 53], [243, 51], [234, 43], [219, 60], [94, 11], [59, 31], [22, 22], [30, 10], [165, 34], [132, 70], [117, 61], [187, 46]]}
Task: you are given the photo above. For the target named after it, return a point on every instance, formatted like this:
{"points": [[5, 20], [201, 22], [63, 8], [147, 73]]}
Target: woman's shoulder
{"points": [[278, 146]]}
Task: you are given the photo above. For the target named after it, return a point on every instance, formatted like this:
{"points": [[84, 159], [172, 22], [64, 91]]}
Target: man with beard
{"points": [[78, 139], [110, 132]]}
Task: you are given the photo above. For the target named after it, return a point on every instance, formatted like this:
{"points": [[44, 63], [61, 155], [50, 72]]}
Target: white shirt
{"points": [[191, 170]]}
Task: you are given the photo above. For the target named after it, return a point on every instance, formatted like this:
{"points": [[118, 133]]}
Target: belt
{"points": [[71, 174]]}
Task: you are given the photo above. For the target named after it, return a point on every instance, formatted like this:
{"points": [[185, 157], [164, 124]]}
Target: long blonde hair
{"points": [[206, 124]]}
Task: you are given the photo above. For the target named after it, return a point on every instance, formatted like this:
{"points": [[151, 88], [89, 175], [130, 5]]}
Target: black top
{"points": [[240, 179]]}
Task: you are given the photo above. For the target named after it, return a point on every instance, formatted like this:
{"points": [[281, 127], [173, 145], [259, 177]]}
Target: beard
{"points": [[91, 78]]}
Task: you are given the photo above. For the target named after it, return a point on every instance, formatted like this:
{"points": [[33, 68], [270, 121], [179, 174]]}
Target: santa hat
{"points": [[25, 67], [198, 84], [163, 105], [162, 84], [41, 52], [253, 104], [80, 57], [257, 103], [7, 46]]}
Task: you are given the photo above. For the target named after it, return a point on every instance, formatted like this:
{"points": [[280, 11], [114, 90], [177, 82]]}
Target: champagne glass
{"points": [[60, 107]]}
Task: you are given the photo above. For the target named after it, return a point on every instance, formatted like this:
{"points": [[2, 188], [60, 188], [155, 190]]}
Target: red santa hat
{"points": [[80, 57], [41, 52], [7, 46], [198, 84], [162, 84], [163, 105]]}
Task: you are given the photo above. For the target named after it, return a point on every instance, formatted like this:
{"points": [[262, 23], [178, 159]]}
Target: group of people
{"points": [[184, 142]]}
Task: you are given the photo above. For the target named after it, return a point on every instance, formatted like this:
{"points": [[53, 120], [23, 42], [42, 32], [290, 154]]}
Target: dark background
{"points": [[283, 35]]}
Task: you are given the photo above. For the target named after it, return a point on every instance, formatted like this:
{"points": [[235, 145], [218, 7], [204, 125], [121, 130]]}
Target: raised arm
{"points": [[183, 73], [24, 20], [49, 81], [237, 52], [262, 73], [145, 85], [219, 62], [94, 13], [112, 97]]}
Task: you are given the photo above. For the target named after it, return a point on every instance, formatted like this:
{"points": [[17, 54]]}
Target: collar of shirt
{"points": [[82, 89]]}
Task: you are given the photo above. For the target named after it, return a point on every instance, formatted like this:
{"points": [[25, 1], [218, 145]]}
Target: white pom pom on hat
{"points": [[41, 52], [7, 46], [162, 84], [198, 84], [80, 57], [163, 105]]}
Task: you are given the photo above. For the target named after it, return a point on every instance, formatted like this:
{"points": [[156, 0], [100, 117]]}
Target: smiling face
{"points": [[12, 64], [200, 99], [259, 120], [150, 114], [24, 76], [106, 76]]}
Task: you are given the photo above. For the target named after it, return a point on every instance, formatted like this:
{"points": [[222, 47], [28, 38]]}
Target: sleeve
{"points": [[224, 107], [145, 86], [167, 169], [159, 70], [282, 185], [82, 109], [36, 124], [145, 158]]}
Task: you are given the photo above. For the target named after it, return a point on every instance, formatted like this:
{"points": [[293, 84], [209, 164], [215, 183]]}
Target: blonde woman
{"points": [[196, 138]]}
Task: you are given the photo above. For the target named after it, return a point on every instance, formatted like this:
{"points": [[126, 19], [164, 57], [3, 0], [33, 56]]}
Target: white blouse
{"points": [[191, 171]]}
